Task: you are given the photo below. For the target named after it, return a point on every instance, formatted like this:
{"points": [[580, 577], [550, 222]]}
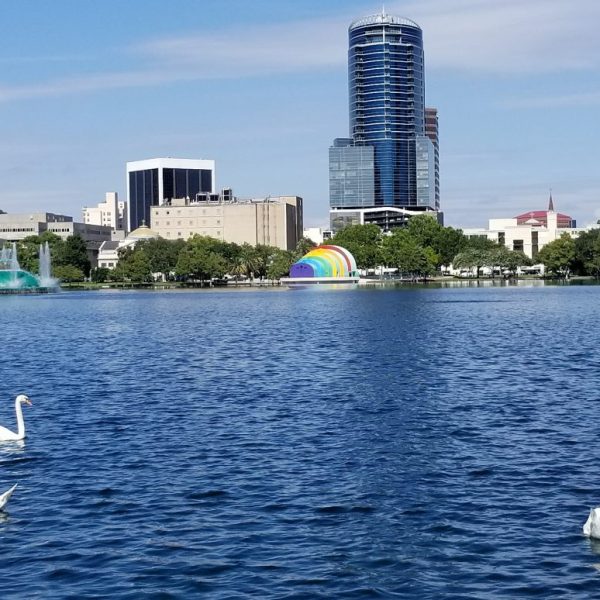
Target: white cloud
{"points": [[508, 36], [271, 48], [483, 36], [554, 101]]}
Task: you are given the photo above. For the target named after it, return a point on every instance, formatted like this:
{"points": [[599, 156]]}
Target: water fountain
{"points": [[14, 280]]}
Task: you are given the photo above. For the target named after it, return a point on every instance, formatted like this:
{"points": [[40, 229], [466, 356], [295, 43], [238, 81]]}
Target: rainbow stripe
{"points": [[325, 261]]}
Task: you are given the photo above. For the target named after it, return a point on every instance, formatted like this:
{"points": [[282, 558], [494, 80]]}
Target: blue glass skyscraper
{"points": [[387, 170], [387, 101]]}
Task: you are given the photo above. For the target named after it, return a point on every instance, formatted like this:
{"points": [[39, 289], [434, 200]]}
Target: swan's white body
{"points": [[592, 525], [5, 497], [7, 435]]}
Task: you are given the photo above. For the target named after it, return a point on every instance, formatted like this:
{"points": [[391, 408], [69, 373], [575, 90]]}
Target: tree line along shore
{"points": [[419, 250]]}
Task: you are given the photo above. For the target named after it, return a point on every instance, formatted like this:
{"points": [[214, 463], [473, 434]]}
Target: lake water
{"points": [[410, 443]]}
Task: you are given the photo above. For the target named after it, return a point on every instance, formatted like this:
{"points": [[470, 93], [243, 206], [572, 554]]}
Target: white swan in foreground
{"points": [[592, 525], [8, 435], [6, 496]]}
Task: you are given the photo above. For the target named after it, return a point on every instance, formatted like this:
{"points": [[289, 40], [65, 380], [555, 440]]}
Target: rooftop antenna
{"points": [[383, 10]]}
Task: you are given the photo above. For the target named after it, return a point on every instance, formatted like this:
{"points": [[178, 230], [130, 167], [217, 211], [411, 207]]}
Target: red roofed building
{"points": [[530, 231], [539, 218]]}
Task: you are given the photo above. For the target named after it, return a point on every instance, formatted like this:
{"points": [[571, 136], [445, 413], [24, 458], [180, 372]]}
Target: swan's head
{"points": [[23, 399]]}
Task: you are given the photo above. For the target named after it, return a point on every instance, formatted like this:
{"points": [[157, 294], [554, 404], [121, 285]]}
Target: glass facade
{"points": [[344, 219], [185, 183], [387, 102], [151, 187], [351, 175], [143, 193], [432, 132], [425, 164]]}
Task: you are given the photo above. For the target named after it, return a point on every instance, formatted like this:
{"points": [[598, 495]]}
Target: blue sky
{"points": [[261, 87]]}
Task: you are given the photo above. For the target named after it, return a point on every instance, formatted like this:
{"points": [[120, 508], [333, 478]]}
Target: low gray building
{"points": [[16, 227]]}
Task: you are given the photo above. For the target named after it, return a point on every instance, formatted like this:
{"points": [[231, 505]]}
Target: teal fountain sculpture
{"points": [[14, 280]]}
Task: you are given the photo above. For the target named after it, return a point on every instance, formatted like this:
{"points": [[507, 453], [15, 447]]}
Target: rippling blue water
{"points": [[426, 443]]}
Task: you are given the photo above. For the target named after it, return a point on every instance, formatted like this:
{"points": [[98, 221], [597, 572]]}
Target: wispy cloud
{"points": [[555, 101], [270, 48], [88, 83], [483, 36], [511, 36], [20, 60]]}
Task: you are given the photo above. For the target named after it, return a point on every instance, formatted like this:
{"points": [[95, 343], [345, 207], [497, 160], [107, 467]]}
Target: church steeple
{"points": [[550, 203]]}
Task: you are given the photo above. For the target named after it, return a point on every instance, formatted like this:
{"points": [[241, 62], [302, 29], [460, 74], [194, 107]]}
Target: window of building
{"points": [[518, 245]]}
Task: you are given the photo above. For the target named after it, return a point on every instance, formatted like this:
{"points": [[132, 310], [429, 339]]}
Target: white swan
{"points": [[6, 496], [8, 435], [592, 525]]}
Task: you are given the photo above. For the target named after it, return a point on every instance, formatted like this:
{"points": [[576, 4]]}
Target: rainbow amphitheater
{"points": [[324, 264]]}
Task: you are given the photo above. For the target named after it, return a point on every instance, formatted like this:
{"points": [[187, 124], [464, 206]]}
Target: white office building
{"points": [[110, 213], [154, 181]]}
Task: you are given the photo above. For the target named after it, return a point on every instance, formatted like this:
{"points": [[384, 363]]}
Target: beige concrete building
{"points": [[273, 221]]}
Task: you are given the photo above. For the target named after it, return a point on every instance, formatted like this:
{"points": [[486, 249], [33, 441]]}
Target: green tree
{"points": [[100, 274], [472, 257], [363, 242], [481, 242], [592, 266], [587, 253], [263, 257], [133, 265], [304, 246], [28, 250], [508, 260], [446, 242], [558, 256], [73, 252], [449, 242], [68, 273], [280, 264], [162, 254], [200, 259], [401, 251]]}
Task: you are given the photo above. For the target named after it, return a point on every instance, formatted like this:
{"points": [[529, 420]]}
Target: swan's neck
{"points": [[20, 420]]}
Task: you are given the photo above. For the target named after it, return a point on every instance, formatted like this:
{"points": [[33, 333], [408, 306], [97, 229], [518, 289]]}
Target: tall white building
{"points": [[110, 213], [152, 182]]}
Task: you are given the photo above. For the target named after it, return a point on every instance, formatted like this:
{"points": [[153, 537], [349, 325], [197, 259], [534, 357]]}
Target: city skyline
{"points": [[262, 90]]}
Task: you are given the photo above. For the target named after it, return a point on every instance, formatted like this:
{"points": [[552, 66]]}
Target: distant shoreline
{"points": [[438, 281]]}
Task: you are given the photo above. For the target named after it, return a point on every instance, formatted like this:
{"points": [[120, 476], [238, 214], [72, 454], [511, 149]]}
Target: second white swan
{"points": [[7, 435], [6, 496]]}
